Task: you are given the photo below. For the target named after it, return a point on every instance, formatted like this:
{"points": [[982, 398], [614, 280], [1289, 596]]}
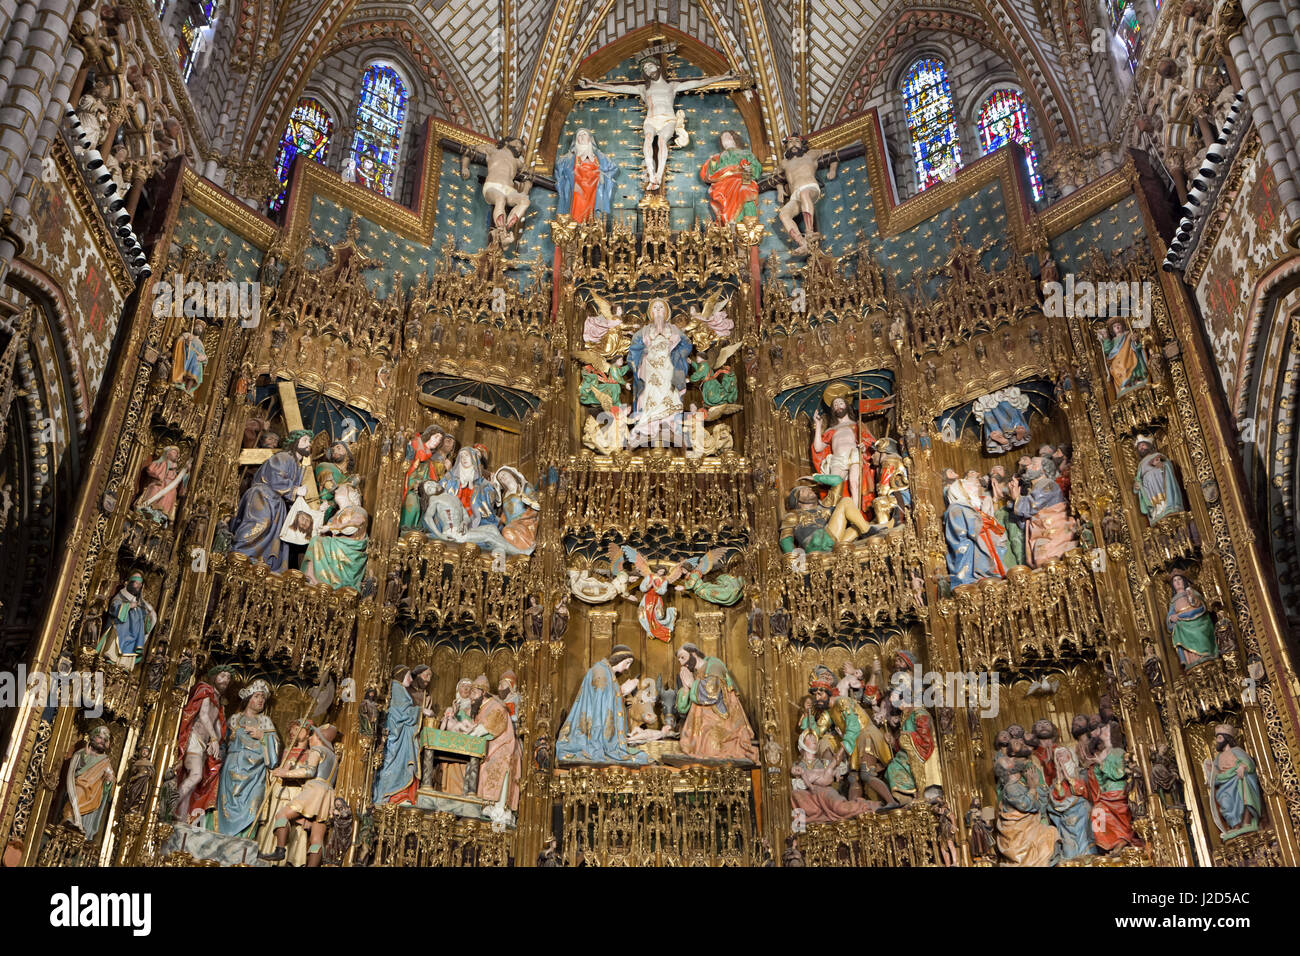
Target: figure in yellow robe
{"points": [[715, 727]]}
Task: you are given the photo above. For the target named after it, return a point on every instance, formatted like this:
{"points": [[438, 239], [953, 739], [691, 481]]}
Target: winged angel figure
{"points": [[657, 619]]}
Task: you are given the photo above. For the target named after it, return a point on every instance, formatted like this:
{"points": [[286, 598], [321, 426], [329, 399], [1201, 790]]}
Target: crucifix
{"points": [[293, 419], [470, 417], [665, 125]]}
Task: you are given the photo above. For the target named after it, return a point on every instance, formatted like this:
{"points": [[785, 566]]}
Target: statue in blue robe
{"points": [[398, 777], [1156, 485], [478, 496], [1002, 414], [584, 179], [596, 728], [264, 506], [1068, 807], [133, 617], [1231, 777], [658, 354], [976, 543], [252, 751]]}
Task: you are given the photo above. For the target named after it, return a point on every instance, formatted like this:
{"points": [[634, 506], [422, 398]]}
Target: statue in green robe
{"points": [[337, 553], [1190, 623], [332, 471]]}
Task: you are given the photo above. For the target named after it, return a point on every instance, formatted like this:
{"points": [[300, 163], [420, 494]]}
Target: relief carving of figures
{"points": [[499, 513], [1237, 803]]}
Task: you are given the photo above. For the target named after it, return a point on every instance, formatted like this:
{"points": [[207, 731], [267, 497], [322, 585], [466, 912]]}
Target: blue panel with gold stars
{"points": [[193, 227]]}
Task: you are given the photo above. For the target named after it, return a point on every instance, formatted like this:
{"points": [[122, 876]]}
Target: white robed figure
{"points": [[658, 356]]}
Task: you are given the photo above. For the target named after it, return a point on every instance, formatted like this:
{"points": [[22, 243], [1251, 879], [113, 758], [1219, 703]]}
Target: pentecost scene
{"points": [[556, 433]]}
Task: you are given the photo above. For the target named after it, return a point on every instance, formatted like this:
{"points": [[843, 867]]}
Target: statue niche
{"points": [[660, 362]]}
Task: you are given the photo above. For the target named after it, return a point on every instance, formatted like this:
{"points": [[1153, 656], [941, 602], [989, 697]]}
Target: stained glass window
{"points": [[195, 34], [1003, 119], [307, 132], [1123, 18], [931, 121], [378, 137]]}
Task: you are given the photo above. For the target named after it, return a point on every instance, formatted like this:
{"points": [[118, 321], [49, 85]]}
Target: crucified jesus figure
{"points": [[663, 122]]}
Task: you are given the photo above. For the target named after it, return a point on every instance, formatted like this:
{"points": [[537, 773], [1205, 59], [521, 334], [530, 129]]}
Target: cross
{"points": [[659, 95], [471, 417], [292, 418]]}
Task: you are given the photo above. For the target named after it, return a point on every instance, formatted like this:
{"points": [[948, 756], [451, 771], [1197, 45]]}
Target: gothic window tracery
{"points": [[308, 132], [1004, 118], [380, 116], [931, 121]]}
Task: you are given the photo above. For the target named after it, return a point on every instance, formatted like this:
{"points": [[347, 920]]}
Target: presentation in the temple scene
{"points": [[648, 433]]}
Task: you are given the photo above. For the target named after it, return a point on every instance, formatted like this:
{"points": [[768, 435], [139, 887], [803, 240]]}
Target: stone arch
{"points": [[40, 458], [603, 59]]}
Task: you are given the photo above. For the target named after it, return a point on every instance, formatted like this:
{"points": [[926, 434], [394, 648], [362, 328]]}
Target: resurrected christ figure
{"points": [[663, 122]]}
